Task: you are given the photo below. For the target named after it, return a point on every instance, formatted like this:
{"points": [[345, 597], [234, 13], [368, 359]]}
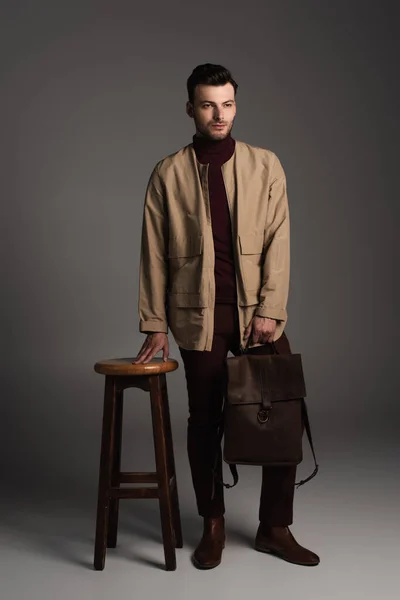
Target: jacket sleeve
{"points": [[276, 267], [153, 269]]}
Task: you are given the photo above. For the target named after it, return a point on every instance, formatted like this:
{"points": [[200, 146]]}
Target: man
{"points": [[214, 269]]}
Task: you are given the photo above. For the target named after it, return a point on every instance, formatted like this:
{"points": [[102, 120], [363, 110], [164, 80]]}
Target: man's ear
{"points": [[189, 109]]}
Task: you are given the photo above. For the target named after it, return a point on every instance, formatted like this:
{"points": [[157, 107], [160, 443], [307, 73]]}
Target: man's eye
{"points": [[206, 105]]}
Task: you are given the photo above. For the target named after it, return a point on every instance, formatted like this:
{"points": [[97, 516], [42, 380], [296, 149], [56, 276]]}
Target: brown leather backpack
{"points": [[264, 412]]}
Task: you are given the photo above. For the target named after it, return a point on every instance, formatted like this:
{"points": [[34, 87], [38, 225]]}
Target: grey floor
{"points": [[348, 514]]}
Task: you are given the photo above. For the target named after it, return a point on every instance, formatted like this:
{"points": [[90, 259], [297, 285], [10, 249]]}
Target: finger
{"points": [[138, 358], [264, 336], [140, 354], [145, 353], [144, 347], [151, 352], [166, 350]]}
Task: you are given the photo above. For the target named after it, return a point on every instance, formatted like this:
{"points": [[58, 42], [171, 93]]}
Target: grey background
{"points": [[92, 96]]}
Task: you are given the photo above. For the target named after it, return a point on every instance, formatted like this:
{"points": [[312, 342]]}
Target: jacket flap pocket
{"points": [[182, 247], [251, 243]]}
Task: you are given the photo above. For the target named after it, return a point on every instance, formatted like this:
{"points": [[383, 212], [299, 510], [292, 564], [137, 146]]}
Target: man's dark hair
{"points": [[209, 74]]}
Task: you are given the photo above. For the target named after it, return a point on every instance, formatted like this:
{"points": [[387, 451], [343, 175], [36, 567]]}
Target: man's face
{"points": [[213, 110]]}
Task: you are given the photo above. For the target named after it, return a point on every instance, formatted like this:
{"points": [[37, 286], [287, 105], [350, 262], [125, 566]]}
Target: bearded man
{"points": [[214, 269]]}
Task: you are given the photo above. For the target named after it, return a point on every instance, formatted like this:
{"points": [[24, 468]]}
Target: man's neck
{"points": [[209, 150]]}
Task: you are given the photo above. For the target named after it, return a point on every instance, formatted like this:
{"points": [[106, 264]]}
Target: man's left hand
{"points": [[262, 330]]}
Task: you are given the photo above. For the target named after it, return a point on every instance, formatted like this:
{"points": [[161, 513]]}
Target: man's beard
{"points": [[208, 133]]}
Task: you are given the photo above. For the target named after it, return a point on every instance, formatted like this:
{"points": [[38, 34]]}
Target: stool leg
{"points": [[172, 471], [164, 490], [116, 468], [106, 461]]}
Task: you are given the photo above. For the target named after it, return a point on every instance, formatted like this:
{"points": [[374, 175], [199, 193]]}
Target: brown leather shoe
{"points": [[209, 551], [280, 542]]}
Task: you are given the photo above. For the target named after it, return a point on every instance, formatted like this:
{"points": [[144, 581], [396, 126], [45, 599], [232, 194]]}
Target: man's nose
{"points": [[218, 114]]}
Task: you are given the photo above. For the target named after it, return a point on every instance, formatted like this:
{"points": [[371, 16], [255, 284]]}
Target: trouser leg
{"points": [[205, 376], [277, 494]]}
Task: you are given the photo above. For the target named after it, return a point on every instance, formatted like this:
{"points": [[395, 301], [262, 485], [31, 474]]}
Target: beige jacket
{"points": [[177, 285]]}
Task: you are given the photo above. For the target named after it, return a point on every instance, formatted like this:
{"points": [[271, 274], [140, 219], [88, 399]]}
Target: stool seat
{"points": [[125, 366]]}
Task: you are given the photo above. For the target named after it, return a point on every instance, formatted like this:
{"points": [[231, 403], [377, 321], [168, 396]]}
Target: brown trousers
{"points": [[205, 375]]}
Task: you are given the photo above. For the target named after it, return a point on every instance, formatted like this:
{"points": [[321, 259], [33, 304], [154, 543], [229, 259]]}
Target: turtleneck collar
{"points": [[213, 151]]}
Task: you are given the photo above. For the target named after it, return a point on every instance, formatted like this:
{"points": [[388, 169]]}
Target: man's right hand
{"points": [[153, 343]]}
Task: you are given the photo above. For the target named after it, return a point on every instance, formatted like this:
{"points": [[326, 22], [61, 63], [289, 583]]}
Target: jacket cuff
{"points": [[280, 314], [153, 326]]}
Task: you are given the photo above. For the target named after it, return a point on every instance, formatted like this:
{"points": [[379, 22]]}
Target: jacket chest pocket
{"points": [[185, 259], [251, 251]]}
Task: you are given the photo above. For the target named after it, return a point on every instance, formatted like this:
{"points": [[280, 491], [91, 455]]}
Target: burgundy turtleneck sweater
{"points": [[215, 153]]}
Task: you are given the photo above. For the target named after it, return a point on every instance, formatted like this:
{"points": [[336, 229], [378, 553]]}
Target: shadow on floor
{"points": [[63, 528]]}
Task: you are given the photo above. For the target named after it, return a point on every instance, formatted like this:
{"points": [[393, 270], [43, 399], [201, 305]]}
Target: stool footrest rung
{"points": [[139, 492], [132, 493], [137, 477]]}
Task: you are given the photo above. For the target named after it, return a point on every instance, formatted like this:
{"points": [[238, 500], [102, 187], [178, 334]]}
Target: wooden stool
{"points": [[121, 374]]}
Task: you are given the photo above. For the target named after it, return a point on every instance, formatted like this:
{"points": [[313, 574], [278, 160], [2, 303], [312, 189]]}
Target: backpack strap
{"points": [[308, 431]]}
